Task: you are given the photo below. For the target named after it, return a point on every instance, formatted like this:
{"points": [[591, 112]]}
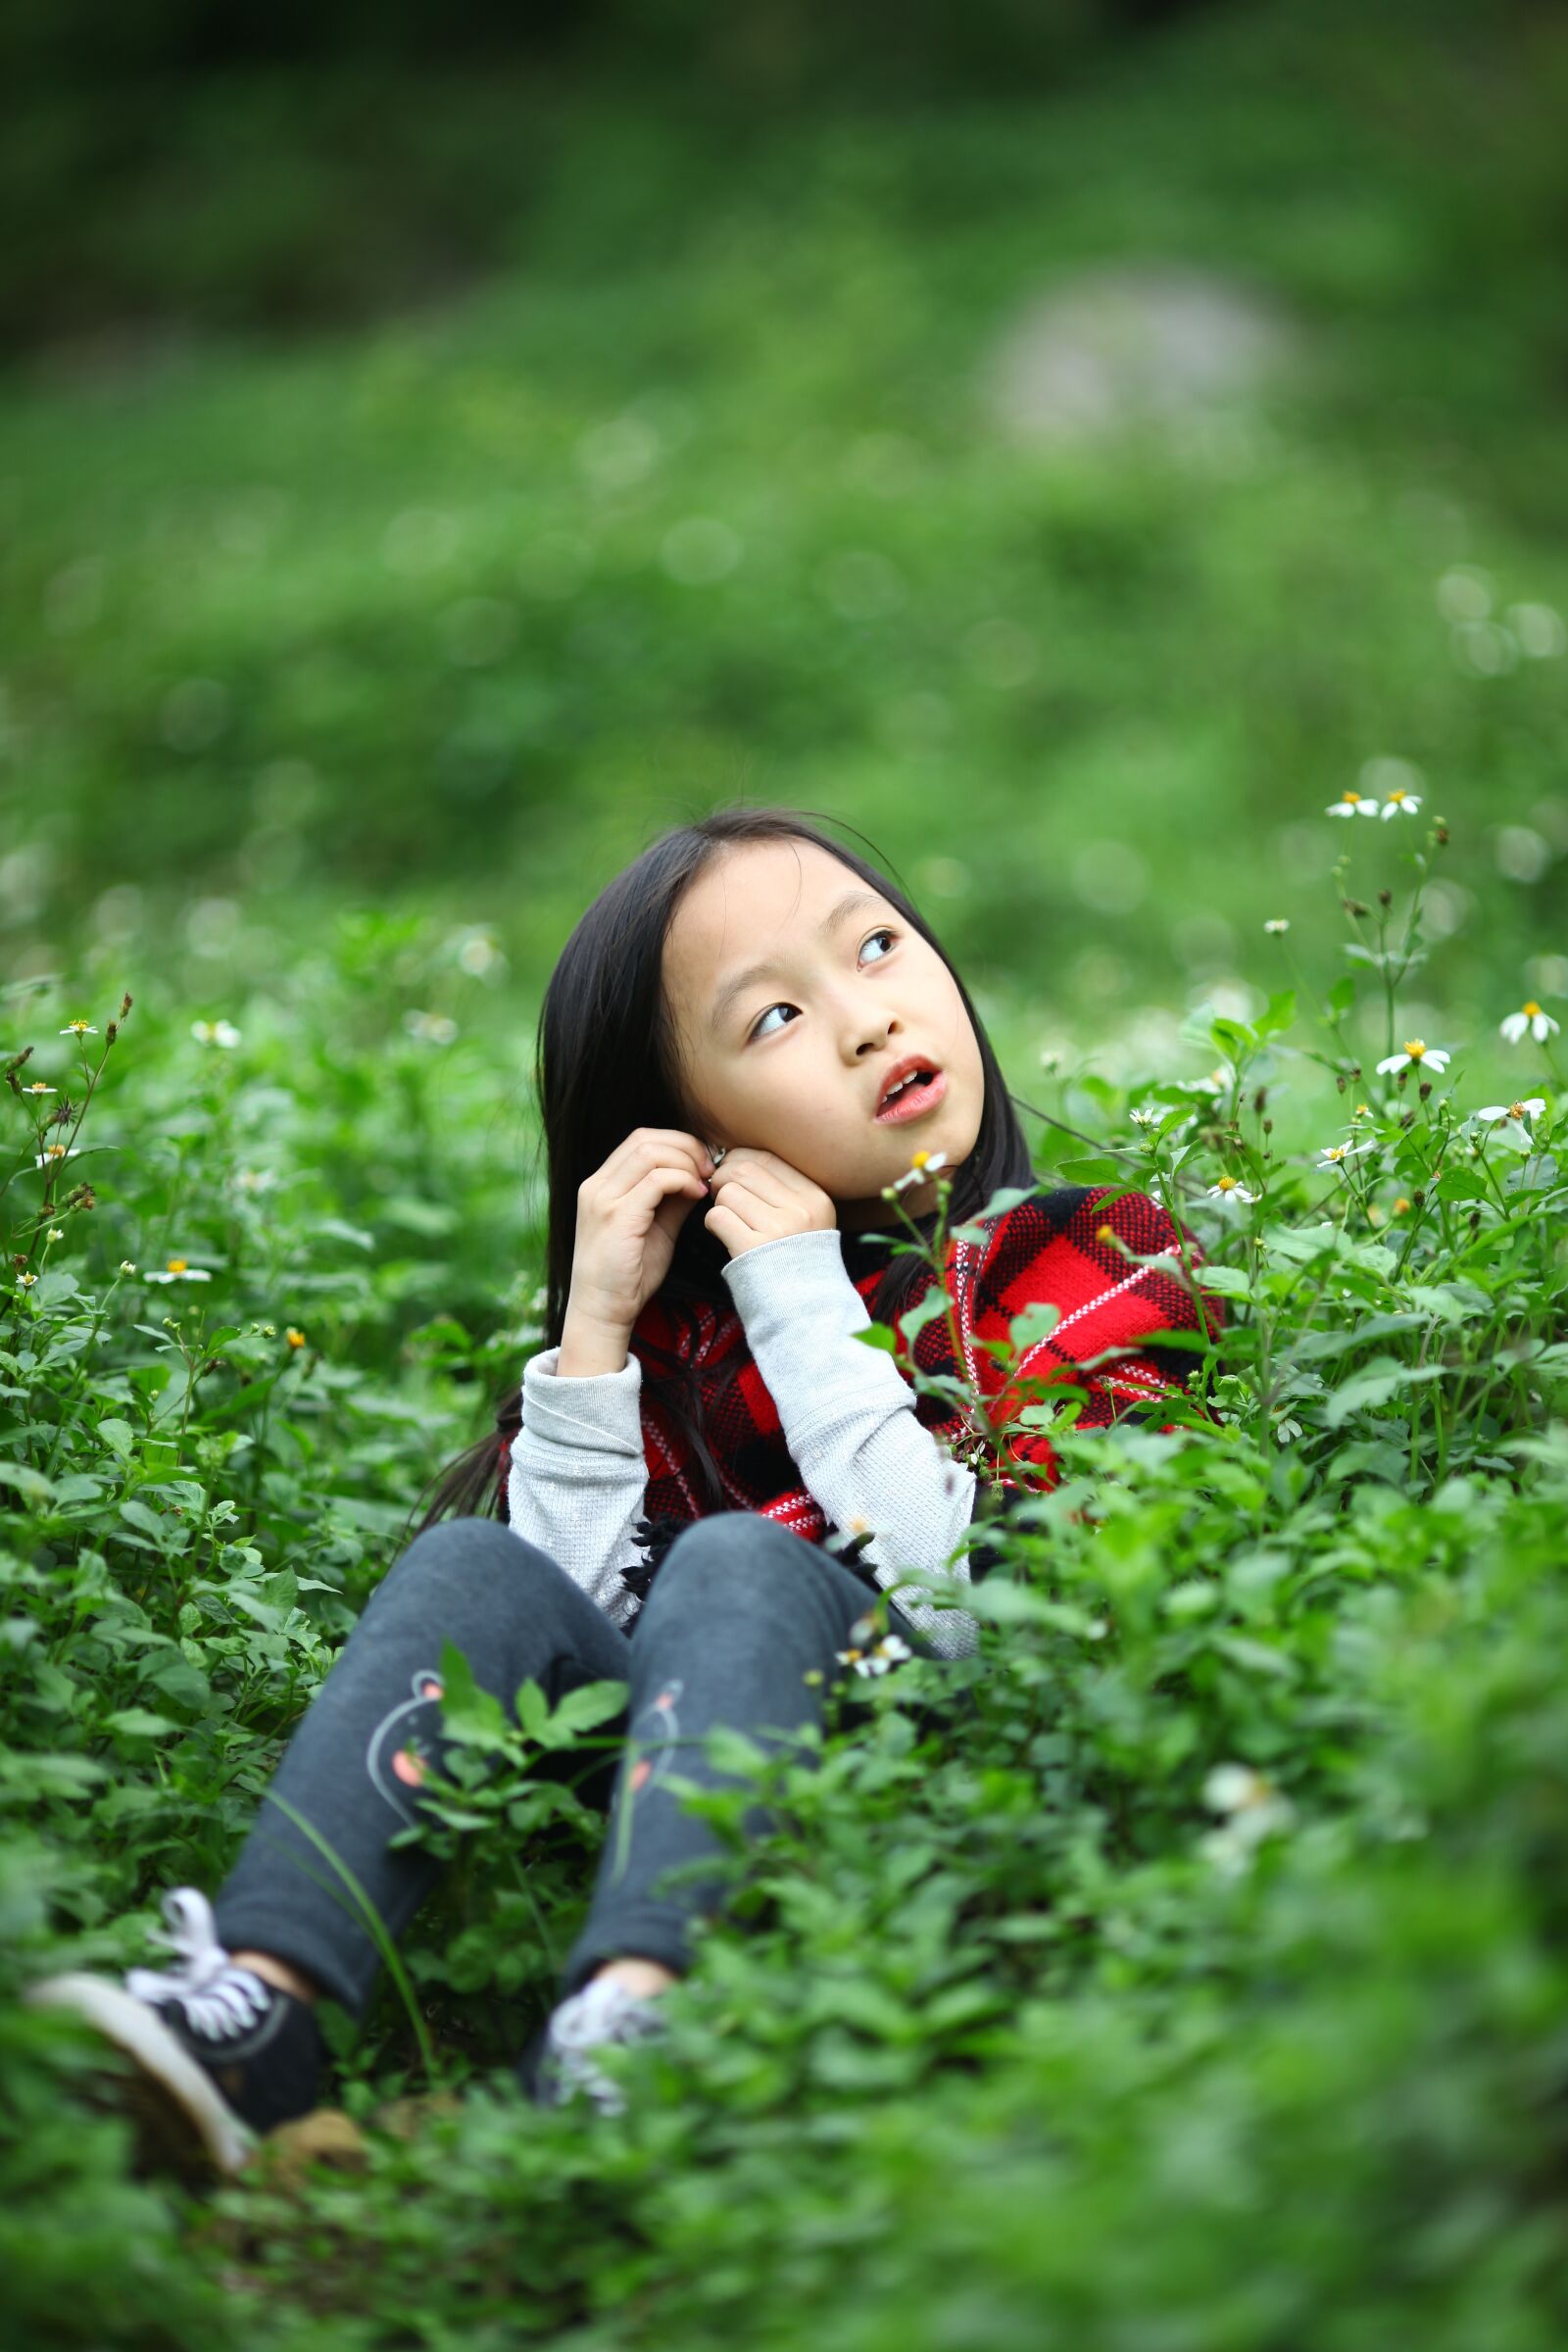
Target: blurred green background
{"points": [[1069, 442]]}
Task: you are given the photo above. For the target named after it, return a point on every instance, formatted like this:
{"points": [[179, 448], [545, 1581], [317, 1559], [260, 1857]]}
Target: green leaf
{"points": [[1227, 1282], [533, 1713], [79, 1487], [926, 1311], [590, 1705], [136, 1514], [1037, 1322], [28, 1482], [1374, 1384], [139, 1723], [1257, 1656], [470, 1716], [118, 1436]]}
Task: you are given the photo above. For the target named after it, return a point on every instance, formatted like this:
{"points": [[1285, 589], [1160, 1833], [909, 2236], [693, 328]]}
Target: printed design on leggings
{"points": [[393, 1765], [663, 1725]]}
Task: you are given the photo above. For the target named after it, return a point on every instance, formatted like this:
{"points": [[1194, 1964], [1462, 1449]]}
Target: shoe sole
{"points": [[181, 2115]]}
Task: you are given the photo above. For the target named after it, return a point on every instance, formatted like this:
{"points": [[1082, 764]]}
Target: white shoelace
{"points": [[219, 1999]]}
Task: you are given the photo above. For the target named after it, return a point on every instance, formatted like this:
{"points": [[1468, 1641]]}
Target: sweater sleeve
{"points": [[849, 1419], [578, 1475]]}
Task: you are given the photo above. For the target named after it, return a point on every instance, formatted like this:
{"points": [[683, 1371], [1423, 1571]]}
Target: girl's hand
{"points": [[760, 1197], [629, 1212]]}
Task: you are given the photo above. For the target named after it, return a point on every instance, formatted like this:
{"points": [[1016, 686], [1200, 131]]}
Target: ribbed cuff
{"points": [[598, 1412]]}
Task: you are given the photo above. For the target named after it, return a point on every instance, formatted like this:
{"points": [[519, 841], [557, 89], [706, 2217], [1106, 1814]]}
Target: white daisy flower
{"points": [[128, 1265], [1530, 1109], [1278, 923], [923, 1166], [78, 1029], [1252, 1808], [52, 1154], [25, 1282], [215, 1033], [176, 1269], [1508, 1121], [37, 1088], [1351, 804], [889, 1651], [1285, 1428], [1231, 1191], [1145, 1118], [1334, 1154], [435, 1028], [1429, 1057], [56, 1232], [1400, 803], [1531, 1019]]}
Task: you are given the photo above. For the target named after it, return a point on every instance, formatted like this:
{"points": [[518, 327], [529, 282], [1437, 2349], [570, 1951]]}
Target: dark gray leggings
{"points": [[740, 1612]]}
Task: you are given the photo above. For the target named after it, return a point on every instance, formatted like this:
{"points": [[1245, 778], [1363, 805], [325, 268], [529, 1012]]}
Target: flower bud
{"points": [[1385, 898]]}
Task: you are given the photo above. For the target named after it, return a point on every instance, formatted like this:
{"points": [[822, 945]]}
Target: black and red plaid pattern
{"points": [[1060, 1248]]}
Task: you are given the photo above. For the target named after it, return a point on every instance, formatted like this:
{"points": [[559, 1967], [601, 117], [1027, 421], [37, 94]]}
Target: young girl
{"points": [[753, 1024]]}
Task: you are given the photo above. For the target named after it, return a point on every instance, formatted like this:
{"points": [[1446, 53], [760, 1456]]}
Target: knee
{"points": [[455, 1554], [717, 1563]]}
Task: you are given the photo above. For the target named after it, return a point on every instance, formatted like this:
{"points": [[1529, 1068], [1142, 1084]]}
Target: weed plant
{"points": [[1199, 1984]]}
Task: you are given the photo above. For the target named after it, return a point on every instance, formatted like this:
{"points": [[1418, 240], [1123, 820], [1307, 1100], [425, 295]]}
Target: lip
{"points": [[918, 1100]]}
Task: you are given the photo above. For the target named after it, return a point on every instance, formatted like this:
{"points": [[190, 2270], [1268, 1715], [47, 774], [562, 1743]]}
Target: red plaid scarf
{"points": [[1055, 1247]]}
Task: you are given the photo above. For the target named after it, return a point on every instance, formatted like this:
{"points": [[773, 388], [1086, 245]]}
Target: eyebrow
{"points": [[753, 972]]}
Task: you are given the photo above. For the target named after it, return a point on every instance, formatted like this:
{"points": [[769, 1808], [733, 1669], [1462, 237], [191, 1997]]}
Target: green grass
{"points": [[338, 673]]}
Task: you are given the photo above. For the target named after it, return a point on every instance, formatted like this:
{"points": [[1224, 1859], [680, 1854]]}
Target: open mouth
{"points": [[916, 1091]]}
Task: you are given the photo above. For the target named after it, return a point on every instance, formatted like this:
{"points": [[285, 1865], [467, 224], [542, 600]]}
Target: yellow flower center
{"points": [[1401, 1206], [1398, 794], [1414, 1046], [1227, 1183], [1516, 1110], [1104, 1234], [919, 1159], [295, 1339], [53, 1150], [1351, 797], [176, 1265], [1531, 1009]]}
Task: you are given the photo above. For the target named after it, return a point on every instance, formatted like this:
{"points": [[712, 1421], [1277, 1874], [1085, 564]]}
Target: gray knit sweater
{"points": [[578, 1471]]}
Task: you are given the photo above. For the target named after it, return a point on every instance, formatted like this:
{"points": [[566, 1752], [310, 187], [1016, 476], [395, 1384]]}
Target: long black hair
{"points": [[607, 1061]]}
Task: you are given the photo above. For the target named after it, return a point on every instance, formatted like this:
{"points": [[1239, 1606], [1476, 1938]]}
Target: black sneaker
{"points": [[557, 2061], [222, 2056]]}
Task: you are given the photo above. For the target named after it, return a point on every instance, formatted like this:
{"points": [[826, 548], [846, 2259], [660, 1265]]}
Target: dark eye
{"points": [[755, 1029]]}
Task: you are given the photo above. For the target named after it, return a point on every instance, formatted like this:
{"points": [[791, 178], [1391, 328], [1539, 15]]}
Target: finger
{"points": [[726, 1227], [651, 1190], [660, 1144], [761, 1182], [746, 1206]]}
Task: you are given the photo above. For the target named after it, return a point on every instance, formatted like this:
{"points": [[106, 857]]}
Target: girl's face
{"points": [[795, 988]]}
